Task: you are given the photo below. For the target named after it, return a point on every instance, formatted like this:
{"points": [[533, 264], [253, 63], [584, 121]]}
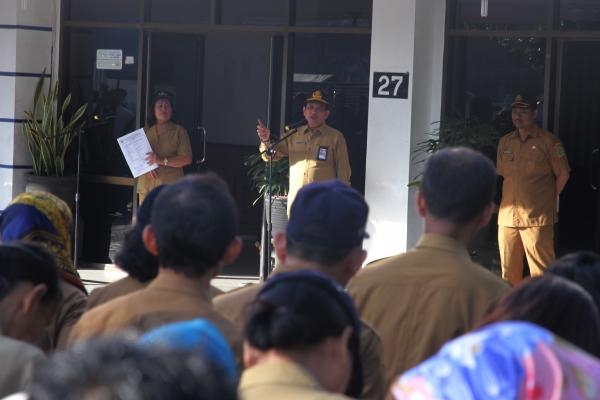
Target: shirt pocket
{"points": [[535, 161]]}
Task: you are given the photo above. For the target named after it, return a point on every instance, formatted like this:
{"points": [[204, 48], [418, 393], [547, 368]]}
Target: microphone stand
{"points": [[270, 151]]}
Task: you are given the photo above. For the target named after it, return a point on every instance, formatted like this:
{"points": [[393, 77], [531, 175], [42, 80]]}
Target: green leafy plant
{"points": [[258, 171], [48, 135], [451, 132]]}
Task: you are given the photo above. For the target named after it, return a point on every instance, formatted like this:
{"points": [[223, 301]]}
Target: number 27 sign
{"points": [[390, 84]]}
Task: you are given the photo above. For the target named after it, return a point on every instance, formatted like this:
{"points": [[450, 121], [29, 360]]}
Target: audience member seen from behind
{"points": [[556, 304], [581, 267], [29, 296], [171, 148], [299, 339], [195, 335], [193, 231], [325, 233], [419, 300], [509, 360], [117, 368], [43, 218]]}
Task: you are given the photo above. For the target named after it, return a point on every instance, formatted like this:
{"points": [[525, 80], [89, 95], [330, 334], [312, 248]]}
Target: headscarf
{"points": [[196, 334], [42, 218], [507, 360]]}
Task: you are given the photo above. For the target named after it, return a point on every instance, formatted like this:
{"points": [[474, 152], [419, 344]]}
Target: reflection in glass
{"points": [[180, 11], [110, 93], [579, 15], [105, 10], [484, 75], [355, 13], [256, 12], [502, 15], [339, 66]]}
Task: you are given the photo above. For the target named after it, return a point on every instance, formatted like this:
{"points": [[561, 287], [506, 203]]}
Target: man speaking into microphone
{"points": [[316, 151]]}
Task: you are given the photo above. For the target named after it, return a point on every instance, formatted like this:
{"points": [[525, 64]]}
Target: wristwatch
{"points": [[166, 161]]}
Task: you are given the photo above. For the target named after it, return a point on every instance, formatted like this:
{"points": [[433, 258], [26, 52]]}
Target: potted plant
{"points": [[49, 134], [450, 132]]}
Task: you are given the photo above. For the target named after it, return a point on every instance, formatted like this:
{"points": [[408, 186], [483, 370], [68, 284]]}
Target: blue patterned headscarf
{"points": [[504, 361], [42, 218]]}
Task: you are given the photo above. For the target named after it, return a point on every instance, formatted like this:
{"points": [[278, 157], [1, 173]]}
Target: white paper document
{"points": [[135, 148]]}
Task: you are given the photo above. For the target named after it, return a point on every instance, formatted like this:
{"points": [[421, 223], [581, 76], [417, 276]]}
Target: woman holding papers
{"points": [[171, 149]]}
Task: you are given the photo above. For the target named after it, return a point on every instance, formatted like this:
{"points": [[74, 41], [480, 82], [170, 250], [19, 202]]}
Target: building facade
{"points": [[391, 67]]}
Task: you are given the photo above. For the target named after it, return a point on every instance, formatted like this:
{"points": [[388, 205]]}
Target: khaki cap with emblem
{"points": [[525, 101], [317, 96]]}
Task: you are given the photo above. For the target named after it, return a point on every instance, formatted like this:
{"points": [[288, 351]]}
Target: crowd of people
{"points": [[426, 324]]}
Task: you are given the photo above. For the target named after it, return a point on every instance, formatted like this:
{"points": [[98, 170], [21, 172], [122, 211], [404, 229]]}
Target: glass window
{"points": [[484, 75], [180, 11], [257, 12], [105, 10], [355, 13], [110, 91], [579, 15], [502, 15], [339, 66]]}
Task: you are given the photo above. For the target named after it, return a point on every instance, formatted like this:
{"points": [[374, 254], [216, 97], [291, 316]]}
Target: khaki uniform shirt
{"points": [[122, 287], [315, 155], [234, 305], [419, 300], [173, 142], [530, 168], [113, 290], [70, 308], [282, 380], [168, 298]]}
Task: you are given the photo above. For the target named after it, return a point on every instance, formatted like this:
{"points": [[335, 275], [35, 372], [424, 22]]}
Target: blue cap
{"points": [[329, 214]]}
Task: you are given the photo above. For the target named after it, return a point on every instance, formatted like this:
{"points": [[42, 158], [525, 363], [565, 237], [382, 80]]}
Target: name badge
{"points": [[300, 142], [322, 154]]}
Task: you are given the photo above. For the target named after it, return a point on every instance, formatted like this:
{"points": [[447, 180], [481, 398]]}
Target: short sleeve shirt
{"points": [[530, 168], [173, 142]]}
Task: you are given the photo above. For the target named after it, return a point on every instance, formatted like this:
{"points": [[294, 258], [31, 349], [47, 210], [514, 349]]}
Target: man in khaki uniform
{"points": [[325, 233], [193, 232], [418, 300], [535, 170], [317, 152]]}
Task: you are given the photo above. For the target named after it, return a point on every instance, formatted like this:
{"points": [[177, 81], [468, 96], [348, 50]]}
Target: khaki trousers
{"points": [[535, 242]]}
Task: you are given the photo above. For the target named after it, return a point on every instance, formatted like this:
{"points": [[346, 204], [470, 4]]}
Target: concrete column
{"points": [[407, 36], [26, 43]]}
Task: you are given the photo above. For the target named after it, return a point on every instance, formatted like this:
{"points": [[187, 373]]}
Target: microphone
{"points": [[295, 125], [103, 117]]}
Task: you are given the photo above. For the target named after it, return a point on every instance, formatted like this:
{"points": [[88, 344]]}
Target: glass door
{"points": [[221, 82], [577, 123]]}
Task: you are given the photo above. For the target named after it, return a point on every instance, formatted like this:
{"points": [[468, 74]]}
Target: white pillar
{"points": [[407, 36], [26, 42]]}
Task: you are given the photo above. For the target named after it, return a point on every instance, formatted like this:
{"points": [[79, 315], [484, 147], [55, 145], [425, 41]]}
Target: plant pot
{"points": [[278, 213], [63, 187]]}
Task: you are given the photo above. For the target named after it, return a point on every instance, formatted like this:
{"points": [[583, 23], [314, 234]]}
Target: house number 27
{"points": [[389, 84]]}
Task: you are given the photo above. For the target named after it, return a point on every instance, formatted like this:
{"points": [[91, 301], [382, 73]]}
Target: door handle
{"points": [[595, 169], [202, 131]]}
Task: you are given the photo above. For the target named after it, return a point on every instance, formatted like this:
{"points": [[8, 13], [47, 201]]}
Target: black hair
{"points": [[555, 303], [134, 258], [118, 369], [28, 262], [458, 183], [581, 267], [300, 309], [194, 221], [150, 116], [322, 255]]}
